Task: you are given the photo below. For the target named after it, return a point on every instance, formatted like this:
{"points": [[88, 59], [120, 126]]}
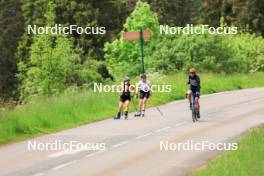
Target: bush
{"points": [[216, 53], [170, 53]]}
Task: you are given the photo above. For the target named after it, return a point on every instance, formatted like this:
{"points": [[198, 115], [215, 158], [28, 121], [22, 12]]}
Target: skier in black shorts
{"points": [[194, 82], [125, 97], [144, 87]]}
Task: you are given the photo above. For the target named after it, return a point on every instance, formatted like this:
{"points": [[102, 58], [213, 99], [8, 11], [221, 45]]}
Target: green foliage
{"points": [[88, 71], [123, 57], [81, 14], [169, 53], [215, 53], [54, 64], [11, 28], [52, 58], [211, 12], [142, 18], [68, 110], [33, 14], [249, 49], [247, 15], [176, 13], [244, 52]]}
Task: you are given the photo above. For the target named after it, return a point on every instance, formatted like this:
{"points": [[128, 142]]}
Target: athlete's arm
{"points": [[188, 82], [198, 83], [150, 92], [121, 87]]}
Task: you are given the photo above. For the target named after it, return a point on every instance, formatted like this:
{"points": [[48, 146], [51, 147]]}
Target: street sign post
{"points": [[141, 36]]}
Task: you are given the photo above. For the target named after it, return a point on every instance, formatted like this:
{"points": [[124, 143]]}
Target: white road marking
{"points": [[64, 165], [163, 129], [179, 124], [57, 154], [38, 174], [64, 152], [120, 144], [144, 135], [95, 153]]}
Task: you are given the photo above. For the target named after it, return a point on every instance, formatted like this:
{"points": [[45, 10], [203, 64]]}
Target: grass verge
{"points": [[46, 115], [248, 160]]}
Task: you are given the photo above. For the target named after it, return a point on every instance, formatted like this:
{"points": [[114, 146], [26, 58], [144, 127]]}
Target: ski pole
{"points": [[134, 103], [159, 111]]}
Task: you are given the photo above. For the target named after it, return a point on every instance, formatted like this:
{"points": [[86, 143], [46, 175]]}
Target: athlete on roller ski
{"points": [[144, 88], [124, 98]]}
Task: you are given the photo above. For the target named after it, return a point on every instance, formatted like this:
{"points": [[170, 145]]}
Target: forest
{"points": [[36, 65]]}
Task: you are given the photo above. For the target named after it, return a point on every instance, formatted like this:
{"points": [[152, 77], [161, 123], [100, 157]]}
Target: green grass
{"points": [[248, 160], [45, 115]]}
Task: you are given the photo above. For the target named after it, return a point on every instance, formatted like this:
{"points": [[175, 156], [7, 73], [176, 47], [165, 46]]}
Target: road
{"points": [[132, 147]]}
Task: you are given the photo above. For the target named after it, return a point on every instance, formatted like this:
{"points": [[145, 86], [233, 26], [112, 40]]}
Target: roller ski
{"points": [[126, 115], [138, 114], [143, 113], [118, 116]]}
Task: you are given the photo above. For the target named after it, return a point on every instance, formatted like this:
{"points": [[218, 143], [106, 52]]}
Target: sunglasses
{"points": [[191, 72]]}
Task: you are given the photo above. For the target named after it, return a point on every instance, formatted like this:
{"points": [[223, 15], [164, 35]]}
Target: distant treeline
{"points": [[32, 64]]}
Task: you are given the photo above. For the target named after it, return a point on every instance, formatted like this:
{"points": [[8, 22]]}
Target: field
{"points": [[46, 115], [246, 161]]}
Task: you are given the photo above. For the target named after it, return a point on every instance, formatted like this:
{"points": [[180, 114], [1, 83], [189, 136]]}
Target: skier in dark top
{"points": [[194, 82], [125, 97]]}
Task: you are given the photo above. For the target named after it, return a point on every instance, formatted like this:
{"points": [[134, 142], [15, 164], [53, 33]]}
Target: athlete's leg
{"points": [[120, 106], [127, 104], [189, 92], [189, 95], [144, 102], [197, 106], [144, 106], [140, 103]]}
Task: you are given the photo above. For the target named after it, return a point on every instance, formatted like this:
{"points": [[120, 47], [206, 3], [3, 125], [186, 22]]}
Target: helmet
{"points": [[192, 70], [126, 79]]}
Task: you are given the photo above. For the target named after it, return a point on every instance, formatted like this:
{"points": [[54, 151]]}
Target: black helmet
{"points": [[126, 79]]}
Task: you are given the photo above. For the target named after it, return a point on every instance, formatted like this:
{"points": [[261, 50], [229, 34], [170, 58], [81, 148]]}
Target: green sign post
{"points": [[142, 51], [141, 36]]}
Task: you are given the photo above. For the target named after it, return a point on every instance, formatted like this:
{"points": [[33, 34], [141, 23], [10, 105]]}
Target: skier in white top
{"points": [[144, 88]]}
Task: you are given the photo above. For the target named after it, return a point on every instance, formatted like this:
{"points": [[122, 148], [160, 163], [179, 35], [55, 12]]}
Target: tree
{"points": [[249, 15], [10, 31], [32, 12], [211, 12], [52, 61], [176, 13], [123, 57]]}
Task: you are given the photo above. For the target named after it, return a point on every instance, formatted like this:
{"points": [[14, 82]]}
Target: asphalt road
{"points": [[133, 146]]}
